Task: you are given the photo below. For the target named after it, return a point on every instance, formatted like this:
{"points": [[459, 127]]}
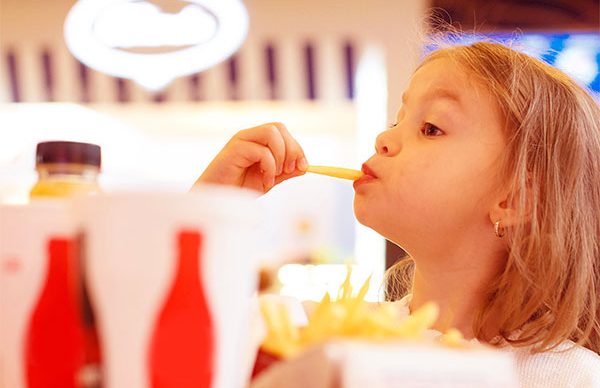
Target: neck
{"points": [[459, 290]]}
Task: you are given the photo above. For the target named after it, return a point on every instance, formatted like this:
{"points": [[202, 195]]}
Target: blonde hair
{"points": [[549, 290]]}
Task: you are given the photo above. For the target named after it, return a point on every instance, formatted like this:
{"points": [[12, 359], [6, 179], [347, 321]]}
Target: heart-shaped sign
{"points": [[154, 41]]}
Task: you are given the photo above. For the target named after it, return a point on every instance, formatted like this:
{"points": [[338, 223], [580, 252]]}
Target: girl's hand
{"points": [[257, 158]]}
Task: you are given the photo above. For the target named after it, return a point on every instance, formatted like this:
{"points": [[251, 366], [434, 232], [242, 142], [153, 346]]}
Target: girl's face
{"points": [[433, 178]]}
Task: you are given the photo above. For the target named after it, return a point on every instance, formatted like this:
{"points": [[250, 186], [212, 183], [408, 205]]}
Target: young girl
{"points": [[490, 180]]}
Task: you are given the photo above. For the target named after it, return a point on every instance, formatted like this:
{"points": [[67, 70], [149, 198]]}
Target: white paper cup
{"points": [[40, 337], [132, 256]]}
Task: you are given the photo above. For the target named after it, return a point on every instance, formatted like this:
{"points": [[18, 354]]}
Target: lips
{"points": [[367, 171], [368, 176]]}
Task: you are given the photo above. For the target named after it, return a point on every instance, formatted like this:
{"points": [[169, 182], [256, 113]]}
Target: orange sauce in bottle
{"points": [[66, 168]]}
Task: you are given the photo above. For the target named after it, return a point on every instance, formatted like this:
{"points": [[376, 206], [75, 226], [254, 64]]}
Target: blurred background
{"points": [[161, 85]]}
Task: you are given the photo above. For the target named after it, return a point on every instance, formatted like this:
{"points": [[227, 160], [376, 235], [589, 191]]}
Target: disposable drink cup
{"points": [[171, 279]]}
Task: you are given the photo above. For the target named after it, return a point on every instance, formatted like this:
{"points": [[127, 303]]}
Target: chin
{"points": [[361, 213], [368, 218]]}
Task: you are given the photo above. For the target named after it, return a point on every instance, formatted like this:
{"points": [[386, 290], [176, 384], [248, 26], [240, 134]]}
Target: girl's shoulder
{"points": [[568, 365]]}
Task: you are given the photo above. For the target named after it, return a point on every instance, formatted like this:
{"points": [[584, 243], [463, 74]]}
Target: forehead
{"points": [[443, 78]]}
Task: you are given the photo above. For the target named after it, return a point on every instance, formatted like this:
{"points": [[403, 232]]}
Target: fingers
{"points": [[267, 135], [294, 155], [286, 151], [257, 154], [284, 176], [257, 158]]}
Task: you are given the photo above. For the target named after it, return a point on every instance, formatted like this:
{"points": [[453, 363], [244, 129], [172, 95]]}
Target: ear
{"points": [[507, 211], [504, 212]]}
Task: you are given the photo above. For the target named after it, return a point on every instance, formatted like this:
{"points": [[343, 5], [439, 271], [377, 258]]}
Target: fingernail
{"points": [[268, 184], [302, 164], [291, 166]]}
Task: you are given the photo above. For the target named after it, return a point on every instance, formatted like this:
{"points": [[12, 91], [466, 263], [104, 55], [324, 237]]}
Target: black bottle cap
{"points": [[51, 152]]}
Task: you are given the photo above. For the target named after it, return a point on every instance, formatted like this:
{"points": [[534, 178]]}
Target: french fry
{"points": [[272, 341], [336, 172], [348, 316], [345, 291], [289, 331], [282, 337], [453, 338], [419, 321], [356, 307], [317, 320]]}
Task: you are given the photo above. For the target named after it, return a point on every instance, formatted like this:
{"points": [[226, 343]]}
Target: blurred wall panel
{"points": [[330, 62], [294, 48], [65, 71], [30, 72], [215, 83], [102, 88], [394, 25], [253, 78], [290, 70], [178, 91], [139, 94], [5, 81]]}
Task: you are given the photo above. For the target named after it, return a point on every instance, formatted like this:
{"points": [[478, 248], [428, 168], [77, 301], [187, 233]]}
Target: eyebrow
{"points": [[438, 93]]}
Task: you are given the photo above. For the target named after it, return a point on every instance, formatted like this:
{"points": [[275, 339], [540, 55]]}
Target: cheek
{"points": [[430, 191], [385, 203], [417, 186]]}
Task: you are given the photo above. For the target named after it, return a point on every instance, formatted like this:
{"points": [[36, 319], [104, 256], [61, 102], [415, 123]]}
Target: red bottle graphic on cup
{"points": [[182, 344], [54, 348], [181, 350]]}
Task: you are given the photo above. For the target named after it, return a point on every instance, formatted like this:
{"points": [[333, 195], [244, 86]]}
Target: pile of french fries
{"points": [[346, 316]]}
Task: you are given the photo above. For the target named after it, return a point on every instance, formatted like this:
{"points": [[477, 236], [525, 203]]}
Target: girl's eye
{"points": [[431, 130], [392, 125]]}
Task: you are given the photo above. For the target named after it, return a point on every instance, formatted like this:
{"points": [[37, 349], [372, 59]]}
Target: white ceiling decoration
{"points": [[154, 42]]}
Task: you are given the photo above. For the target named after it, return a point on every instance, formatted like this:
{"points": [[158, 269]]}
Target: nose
{"points": [[385, 145]]}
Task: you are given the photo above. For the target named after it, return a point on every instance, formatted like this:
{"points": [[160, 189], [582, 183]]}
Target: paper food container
{"points": [[355, 364]]}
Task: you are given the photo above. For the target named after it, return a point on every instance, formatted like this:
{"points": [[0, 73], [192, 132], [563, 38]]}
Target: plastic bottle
{"points": [[66, 168], [63, 316]]}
